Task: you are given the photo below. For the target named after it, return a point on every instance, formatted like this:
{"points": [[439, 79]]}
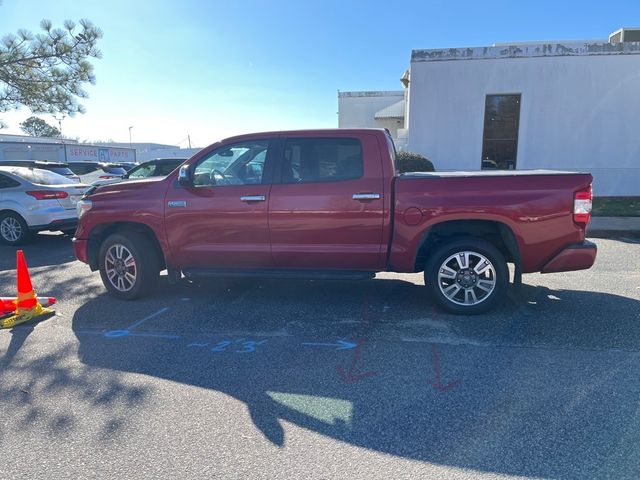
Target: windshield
{"points": [[39, 176], [142, 171], [115, 170]]}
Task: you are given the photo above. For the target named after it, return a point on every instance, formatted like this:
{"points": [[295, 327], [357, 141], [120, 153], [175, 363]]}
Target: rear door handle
{"points": [[253, 198], [366, 196]]}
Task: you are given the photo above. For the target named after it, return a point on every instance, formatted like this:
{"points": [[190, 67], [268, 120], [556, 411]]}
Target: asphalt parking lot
{"points": [[308, 379]]}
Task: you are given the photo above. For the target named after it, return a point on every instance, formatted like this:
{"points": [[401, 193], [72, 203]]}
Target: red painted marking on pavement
{"points": [[349, 376], [437, 383]]}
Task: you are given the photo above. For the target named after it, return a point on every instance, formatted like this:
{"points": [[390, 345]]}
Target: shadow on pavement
{"points": [[44, 249], [35, 394], [547, 410]]}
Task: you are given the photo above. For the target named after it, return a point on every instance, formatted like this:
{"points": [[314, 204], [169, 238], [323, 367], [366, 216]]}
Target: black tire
{"points": [[146, 265], [472, 296], [10, 223]]}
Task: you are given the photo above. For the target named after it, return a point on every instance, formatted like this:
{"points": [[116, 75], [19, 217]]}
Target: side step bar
{"points": [[286, 274]]}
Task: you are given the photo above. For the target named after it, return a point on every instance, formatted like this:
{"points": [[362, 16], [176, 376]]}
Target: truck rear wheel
{"points": [[129, 266], [467, 276]]}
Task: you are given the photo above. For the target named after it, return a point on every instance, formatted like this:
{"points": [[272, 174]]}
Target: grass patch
{"points": [[616, 207]]}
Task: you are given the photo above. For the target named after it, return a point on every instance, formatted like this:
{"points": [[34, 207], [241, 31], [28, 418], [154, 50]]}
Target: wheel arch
{"points": [[497, 233], [11, 210], [100, 232]]}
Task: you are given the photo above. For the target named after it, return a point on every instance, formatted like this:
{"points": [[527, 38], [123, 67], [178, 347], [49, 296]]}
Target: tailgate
{"points": [[74, 193]]}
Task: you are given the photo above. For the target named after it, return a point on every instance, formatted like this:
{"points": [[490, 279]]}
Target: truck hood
{"points": [[122, 186]]}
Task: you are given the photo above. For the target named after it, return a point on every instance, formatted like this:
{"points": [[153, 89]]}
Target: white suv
{"points": [[32, 199]]}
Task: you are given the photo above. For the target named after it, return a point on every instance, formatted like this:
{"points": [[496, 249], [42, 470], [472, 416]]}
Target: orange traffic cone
{"points": [[26, 306]]}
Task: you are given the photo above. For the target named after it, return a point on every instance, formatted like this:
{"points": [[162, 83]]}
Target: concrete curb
{"points": [[614, 224]]}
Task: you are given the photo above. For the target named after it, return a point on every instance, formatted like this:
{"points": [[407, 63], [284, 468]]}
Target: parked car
{"points": [[55, 167], [33, 199], [89, 172], [328, 203], [160, 167], [128, 165]]}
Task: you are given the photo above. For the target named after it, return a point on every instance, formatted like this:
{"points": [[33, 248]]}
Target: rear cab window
{"points": [[321, 159]]}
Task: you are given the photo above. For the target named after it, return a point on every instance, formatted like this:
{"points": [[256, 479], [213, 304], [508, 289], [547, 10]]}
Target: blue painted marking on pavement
{"points": [[155, 335], [117, 333], [340, 345], [89, 332], [250, 346]]}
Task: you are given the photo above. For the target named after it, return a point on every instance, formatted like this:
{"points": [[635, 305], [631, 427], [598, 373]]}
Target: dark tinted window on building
{"points": [[321, 160], [500, 140]]}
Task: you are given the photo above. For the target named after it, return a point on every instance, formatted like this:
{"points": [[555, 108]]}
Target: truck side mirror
{"points": [[184, 176]]}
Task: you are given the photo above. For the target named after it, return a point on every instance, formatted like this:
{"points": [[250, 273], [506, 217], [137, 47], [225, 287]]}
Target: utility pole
{"points": [[60, 119], [189, 138], [130, 136]]}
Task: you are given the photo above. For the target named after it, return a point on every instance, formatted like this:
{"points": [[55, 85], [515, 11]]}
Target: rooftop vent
{"points": [[625, 35]]}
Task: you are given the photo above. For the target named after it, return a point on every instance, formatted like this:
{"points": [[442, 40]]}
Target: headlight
{"points": [[83, 206]]}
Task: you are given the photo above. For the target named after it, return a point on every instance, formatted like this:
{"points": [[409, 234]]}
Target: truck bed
{"points": [[487, 173], [536, 205]]}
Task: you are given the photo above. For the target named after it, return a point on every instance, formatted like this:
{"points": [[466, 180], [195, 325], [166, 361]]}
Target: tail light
{"points": [[83, 206], [47, 194], [582, 202]]}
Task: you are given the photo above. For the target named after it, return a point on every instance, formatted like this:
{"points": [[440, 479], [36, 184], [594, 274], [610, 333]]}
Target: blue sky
{"points": [[213, 69]]}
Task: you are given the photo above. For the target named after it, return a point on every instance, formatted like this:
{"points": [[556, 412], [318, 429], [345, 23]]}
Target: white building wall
{"points": [[167, 153], [577, 113], [358, 109]]}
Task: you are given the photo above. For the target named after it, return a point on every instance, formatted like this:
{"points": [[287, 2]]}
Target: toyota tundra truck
{"points": [[330, 204]]}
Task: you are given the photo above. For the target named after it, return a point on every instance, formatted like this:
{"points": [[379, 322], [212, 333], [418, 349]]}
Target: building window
{"points": [[500, 140]]}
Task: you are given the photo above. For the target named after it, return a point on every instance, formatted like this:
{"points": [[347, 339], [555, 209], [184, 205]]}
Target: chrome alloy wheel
{"points": [[467, 278], [10, 229], [120, 267]]}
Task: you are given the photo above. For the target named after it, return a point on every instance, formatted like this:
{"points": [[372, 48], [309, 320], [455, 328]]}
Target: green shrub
{"points": [[413, 162]]}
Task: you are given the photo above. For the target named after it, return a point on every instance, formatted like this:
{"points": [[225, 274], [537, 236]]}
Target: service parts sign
{"points": [[83, 153]]}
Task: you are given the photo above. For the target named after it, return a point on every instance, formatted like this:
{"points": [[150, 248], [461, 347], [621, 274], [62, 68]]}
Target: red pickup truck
{"points": [[331, 204]]}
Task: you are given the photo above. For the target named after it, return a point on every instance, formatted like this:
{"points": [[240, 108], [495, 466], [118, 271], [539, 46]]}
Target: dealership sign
{"points": [[78, 153]]}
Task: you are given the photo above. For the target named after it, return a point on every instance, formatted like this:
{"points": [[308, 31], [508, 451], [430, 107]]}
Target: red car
{"points": [[330, 204]]}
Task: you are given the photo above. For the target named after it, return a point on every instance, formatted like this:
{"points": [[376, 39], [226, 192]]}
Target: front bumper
{"points": [[80, 249], [575, 257], [60, 224]]}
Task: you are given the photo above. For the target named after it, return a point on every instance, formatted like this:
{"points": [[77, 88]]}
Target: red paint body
{"points": [[319, 226]]}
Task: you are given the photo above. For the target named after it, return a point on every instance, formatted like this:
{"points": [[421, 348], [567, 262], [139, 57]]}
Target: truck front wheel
{"points": [[129, 266], [467, 276]]}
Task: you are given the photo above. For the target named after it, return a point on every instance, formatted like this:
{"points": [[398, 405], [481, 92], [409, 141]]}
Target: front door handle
{"points": [[366, 196], [253, 198]]}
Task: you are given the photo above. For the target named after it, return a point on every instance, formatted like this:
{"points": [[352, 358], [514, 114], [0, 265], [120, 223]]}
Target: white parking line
{"points": [[140, 322]]}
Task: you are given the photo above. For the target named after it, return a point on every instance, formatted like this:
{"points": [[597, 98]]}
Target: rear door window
{"points": [[310, 160], [6, 182]]}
